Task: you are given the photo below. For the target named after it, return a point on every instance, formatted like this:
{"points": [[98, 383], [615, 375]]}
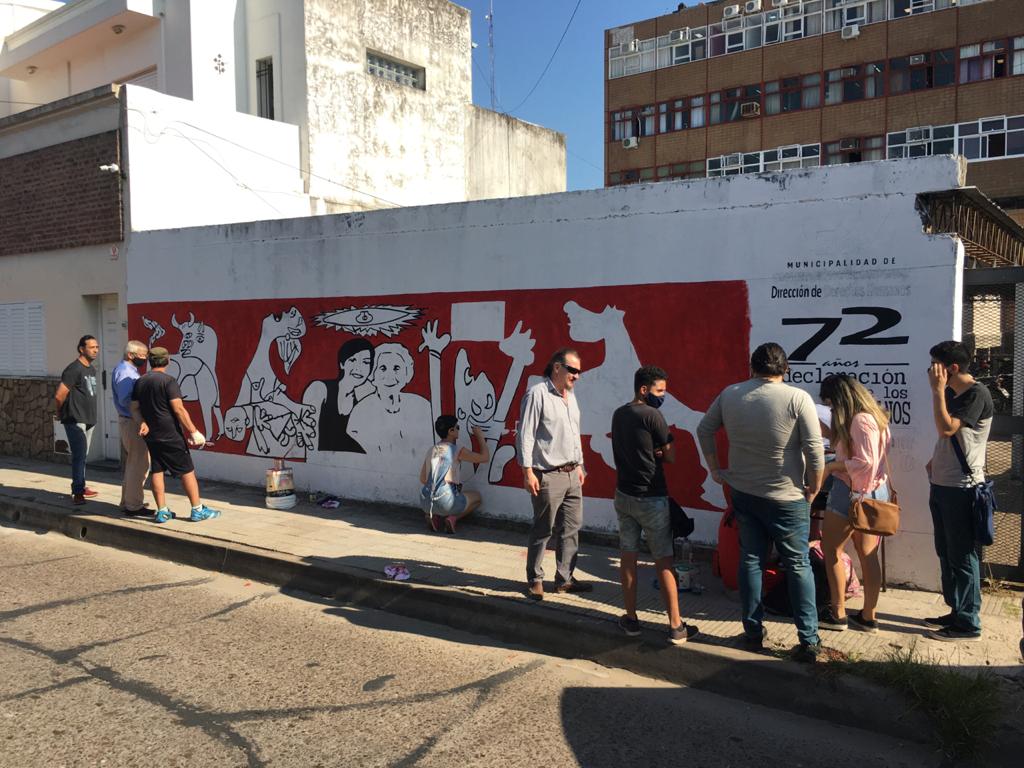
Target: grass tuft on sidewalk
{"points": [[963, 708]]}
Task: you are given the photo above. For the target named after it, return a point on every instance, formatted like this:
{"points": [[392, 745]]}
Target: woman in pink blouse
{"points": [[860, 439]]}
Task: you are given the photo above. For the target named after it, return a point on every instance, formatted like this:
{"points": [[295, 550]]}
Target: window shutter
{"points": [[22, 339]]}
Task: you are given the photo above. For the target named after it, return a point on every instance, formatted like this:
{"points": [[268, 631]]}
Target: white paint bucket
{"points": [[280, 488]]}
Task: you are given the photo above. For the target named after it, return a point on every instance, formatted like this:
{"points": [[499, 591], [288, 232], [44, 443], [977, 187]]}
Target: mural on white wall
{"points": [[310, 382], [278, 426], [194, 365]]}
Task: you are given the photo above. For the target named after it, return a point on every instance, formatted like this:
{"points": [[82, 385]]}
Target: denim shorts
{"points": [[647, 513], [839, 497], [452, 502]]}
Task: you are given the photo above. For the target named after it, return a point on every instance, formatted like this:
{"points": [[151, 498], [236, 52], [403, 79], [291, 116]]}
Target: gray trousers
{"points": [[134, 465], [557, 511]]}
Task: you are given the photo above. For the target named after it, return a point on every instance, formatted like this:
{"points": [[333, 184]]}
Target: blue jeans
{"points": [[787, 524], [79, 437], [958, 559]]}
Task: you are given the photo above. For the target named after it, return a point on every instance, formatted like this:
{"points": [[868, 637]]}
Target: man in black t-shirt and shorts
{"points": [[641, 443], [156, 400], [75, 404]]}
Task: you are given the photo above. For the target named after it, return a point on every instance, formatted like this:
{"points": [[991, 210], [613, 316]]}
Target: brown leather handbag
{"points": [[880, 518]]}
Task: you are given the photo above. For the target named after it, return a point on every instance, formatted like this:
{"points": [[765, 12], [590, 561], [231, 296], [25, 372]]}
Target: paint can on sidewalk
{"points": [[280, 486]]}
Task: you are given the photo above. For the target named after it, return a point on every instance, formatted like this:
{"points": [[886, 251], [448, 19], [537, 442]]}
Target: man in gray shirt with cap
{"points": [[775, 469], [552, 458]]}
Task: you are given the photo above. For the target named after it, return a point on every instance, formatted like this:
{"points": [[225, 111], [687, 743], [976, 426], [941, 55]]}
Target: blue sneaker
{"points": [[163, 515], [203, 513]]}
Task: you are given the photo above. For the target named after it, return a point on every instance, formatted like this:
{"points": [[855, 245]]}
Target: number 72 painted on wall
{"points": [[885, 318]]}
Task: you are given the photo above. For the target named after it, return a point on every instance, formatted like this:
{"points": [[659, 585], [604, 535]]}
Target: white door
{"points": [[113, 338]]}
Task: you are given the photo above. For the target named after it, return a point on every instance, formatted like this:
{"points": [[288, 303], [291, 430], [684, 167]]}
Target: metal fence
{"points": [[993, 322]]}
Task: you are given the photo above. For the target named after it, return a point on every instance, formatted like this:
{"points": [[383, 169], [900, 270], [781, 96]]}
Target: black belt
{"points": [[564, 468]]}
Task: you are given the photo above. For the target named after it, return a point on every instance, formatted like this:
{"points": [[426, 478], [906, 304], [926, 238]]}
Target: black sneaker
{"points": [[755, 642], [682, 633], [953, 634], [630, 626], [857, 621], [827, 621], [940, 622], [807, 653]]}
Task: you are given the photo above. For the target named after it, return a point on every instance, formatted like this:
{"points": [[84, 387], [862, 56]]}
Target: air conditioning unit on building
{"points": [[631, 143], [731, 12], [633, 46], [779, 3], [917, 58], [918, 135], [851, 32], [752, 6], [750, 109], [679, 35], [849, 144]]}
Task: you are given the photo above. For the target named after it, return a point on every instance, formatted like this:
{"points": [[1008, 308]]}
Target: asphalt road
{"points": [[114, 659]]}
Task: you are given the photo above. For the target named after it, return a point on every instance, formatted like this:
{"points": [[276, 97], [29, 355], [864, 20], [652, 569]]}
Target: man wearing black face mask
{"points": [[134, 454], [641, 442]]}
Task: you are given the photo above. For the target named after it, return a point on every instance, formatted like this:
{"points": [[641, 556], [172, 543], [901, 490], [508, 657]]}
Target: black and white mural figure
{"points": [[476, 401], [391, 423], [600, 388], [278, 426], [386, 319], [334, 400], [194, 365]]}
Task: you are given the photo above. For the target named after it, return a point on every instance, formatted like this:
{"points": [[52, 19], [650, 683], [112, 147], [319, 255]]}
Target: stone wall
{"points": [[26, 420]]}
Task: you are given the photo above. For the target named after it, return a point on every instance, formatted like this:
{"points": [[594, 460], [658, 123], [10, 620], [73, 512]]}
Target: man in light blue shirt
{"points": [[135, 454]]}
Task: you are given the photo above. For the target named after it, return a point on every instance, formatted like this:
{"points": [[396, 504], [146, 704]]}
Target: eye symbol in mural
{"points": [[387, 319]]}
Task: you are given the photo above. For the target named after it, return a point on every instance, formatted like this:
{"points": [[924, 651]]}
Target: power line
{"points": [[553, 53]]}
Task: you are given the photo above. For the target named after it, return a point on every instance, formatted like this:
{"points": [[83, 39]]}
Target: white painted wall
{"points": [[189, 165], [506, 157], [748, 228]]}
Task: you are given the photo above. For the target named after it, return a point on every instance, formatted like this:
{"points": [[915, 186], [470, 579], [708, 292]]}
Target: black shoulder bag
{"points": [[983, 498]]}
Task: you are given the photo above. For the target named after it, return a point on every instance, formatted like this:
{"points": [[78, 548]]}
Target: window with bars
{"points": [[265, 88], [983, 61], [920, 71], [395, 71], [854, 150], [863, 81]]}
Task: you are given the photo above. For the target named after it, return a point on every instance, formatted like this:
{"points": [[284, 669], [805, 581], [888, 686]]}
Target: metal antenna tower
{"points": [[490, 53]]}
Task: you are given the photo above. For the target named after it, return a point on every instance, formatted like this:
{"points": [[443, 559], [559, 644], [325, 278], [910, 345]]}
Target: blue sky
{"points": [[570, 98]]}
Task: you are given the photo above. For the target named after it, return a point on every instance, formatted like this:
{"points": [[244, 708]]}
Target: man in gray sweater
{"points": [[774, 470]]}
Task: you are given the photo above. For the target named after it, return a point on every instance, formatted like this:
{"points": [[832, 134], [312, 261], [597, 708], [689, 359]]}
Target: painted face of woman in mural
{"points": [[391, 372], [356, 369]]}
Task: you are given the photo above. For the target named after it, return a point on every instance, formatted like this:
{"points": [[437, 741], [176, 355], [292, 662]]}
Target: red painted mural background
{"points": [[697, 332]]}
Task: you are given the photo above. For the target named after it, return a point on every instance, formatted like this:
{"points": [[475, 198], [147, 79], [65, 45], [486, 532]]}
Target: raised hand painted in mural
{"points": [[333, 400], [603, 388], [278, 426], [194, 365], [391, 423]]}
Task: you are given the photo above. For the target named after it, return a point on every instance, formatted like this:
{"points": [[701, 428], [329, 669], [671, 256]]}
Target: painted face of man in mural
{"points": [[235, 423], [474, 395]]}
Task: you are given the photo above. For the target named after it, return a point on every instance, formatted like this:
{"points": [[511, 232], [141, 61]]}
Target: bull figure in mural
{"points": [[194, 365], [600, 388], [278, 426]]}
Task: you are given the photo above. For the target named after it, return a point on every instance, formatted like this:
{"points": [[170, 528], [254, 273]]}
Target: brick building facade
{"points": [[722, 88]]}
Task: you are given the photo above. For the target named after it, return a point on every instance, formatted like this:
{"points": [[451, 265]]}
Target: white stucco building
{"points": [[120, 116]]}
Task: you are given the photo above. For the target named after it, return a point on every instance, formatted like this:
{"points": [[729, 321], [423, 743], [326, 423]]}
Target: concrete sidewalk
{"points": [[476, 578]]}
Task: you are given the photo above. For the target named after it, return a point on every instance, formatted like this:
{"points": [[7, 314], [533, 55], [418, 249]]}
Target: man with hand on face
{"points": [[641, 442], [156, 403], [135, 454], [962, 409], [551, 453], [75, 404]]}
